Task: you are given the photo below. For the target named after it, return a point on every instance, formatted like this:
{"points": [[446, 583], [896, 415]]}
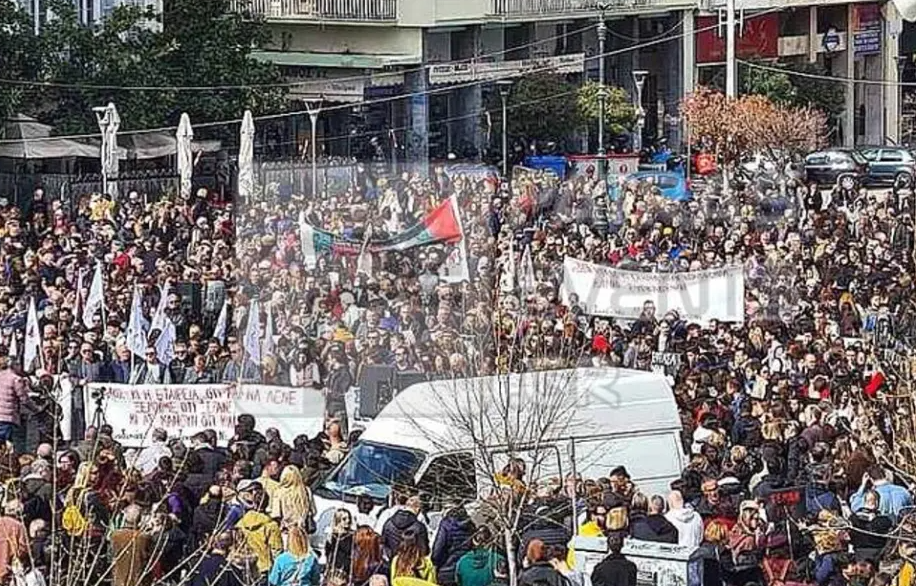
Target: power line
{"points": [[822, 77], [289, 84], [370, 102]]}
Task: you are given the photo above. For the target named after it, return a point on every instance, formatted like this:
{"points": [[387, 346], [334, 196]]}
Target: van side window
{"points": [[449, 477]]}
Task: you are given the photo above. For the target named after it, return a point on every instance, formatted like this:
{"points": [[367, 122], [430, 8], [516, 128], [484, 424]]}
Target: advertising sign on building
{"points": [[465, 72], [867, 25], [759, 39]]}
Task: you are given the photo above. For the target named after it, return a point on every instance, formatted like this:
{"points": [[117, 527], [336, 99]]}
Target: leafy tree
{"points": [[733, 128], [18, 58], [619, 113], [200, 43], [795, 90], [538, 108]]}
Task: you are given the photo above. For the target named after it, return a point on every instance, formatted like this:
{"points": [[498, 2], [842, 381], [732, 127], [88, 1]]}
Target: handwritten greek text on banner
{"points": [[134, 411], [698, 296]]}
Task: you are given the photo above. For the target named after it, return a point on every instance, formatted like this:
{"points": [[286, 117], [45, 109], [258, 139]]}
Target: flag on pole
{"points": [[79, 293], [219, 332], [95, 301], [13, 350], [269, 345], [527, 282], [32, 347], [455, 268], [165, 343], [137, 326], [307, 238], [507, 278], [364, 260], [252, 340]]}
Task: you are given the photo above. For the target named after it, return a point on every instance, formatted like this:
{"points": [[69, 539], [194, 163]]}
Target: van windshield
{"points": [[371, 469]]}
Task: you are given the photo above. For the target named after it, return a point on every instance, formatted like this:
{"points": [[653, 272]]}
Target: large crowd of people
{"points": [[793, 421]]}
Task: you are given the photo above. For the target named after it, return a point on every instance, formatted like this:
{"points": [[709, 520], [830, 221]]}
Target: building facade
{"points": [[412, 76]]}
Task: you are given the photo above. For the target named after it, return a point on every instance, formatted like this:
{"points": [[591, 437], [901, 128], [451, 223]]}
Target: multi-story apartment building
{"points": [[353, 51]]}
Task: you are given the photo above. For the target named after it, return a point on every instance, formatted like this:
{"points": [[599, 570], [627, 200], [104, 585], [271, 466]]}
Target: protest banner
{"points": [[134, 411], [666, 362], [698, 296]]}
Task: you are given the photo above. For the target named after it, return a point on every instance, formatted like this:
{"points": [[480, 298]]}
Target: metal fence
{"points": [[296, 177]]}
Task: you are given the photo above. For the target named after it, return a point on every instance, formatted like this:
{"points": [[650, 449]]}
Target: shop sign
{"points": [[465, 72]]}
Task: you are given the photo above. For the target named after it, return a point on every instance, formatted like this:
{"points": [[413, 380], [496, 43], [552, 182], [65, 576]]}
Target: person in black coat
{"points": [[206, 518], [212, 460], [453, 540], [215, 569], [544, 522], [870, 537], [615, 569], [404, 519], [647, 521], [540, 572]]}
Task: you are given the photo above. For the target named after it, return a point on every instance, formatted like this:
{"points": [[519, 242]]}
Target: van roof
{"points": [[449, 415]]}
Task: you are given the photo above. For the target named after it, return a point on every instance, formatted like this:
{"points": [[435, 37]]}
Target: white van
{"points": [[449, 437]]}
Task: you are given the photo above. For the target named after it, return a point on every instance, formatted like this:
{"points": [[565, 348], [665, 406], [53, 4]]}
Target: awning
{"points": [[339, 60], [24, 137], [160, 144]]}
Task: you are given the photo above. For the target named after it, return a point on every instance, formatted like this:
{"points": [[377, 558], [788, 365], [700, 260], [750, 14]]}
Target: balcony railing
{"points": [[345, 10], [558, 7]]}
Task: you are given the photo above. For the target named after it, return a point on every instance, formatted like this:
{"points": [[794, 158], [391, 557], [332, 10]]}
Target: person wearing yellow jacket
{"points": [[412, 559], [261, 536]]}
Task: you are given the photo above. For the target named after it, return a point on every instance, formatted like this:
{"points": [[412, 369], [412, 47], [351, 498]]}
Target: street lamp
{"points": [[602, 89], [503, 85], [314, 108], [639, 79]]}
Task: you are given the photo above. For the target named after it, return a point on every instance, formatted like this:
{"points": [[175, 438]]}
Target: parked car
{"points": [[672, 184], [890, 165], [846, 167]]}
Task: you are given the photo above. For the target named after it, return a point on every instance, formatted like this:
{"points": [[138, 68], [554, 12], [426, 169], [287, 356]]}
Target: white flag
{"points": [[252, 340], [527, 282], [137, 326], [165, 343], [32, 349], [307, 236], [455, 268], [13, 350], [219, 332], [95, 301], [268, 347], [507, 278], [364, 260]]}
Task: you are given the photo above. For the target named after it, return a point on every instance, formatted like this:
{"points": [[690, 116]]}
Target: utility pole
{"points": [[731, 62], [314, 109], [602, 88], [36, 16], [504, 85]]}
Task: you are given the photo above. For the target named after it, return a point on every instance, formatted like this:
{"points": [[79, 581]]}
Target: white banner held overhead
{"points": [[698, 296], [134, 411]]}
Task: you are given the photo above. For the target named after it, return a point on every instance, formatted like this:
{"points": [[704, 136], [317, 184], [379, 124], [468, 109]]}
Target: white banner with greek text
{"points": [[698, 296], [134, 411]]}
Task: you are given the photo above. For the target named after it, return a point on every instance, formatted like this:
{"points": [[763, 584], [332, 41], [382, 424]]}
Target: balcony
{"points": [[381, 11], [538, 8]]}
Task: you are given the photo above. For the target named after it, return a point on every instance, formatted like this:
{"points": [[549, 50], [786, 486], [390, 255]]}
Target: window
{"points": [[449, 478], [891, 156], [870, 154], [816, 159], [371, 469]]}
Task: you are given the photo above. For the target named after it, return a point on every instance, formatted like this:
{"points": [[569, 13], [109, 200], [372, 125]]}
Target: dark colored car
{"points": [[890, 166], [846, 167]]}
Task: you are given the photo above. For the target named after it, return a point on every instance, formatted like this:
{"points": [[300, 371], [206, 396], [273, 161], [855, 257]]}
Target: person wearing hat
{"points": [[746, 541], [260, 533]]}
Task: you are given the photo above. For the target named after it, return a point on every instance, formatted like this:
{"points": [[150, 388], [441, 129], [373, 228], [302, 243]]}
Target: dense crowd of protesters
{"points": [[787, 417]]}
